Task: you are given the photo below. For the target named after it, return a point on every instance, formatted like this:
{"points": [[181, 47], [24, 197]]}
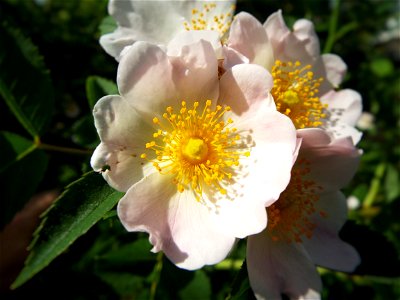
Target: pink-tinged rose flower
{"points": [[303, 223], [198, 157], [159, 22], [304, 80]]}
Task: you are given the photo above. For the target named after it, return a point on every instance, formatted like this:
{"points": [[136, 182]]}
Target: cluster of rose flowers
{"points": [[225, 129]]}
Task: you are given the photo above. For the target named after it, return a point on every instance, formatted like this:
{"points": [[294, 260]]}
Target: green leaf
{"points": [[382, 67], [129, 254], [107, 25], [20, 179], [126, 285], [241, 289], [84, 133], [25, 83], [392, 183], [83, 203], [97, 87], [198, 289], [13, 148]]}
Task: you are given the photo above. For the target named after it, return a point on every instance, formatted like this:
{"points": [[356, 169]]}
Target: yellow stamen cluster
{"points": [[198, 146], [288, 218], [205, 19], [295, 93]]}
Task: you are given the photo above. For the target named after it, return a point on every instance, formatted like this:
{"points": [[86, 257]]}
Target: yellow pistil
{"points": [[198, 146], [206, 19], [295, 93], [289, 217]]}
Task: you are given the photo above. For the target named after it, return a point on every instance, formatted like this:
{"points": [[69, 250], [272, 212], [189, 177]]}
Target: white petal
{"points": [[249, 37], [124, 167], [191, 37], [277, 268], [123, 134], [344, 105], [271, 135], [196, 72], [327, 250], [232, 58], [245, 88], [115, 43], [151, 81], [325, 247], [332, 166], [335, 68], [178, 225], [144, 78], [344, 110]]}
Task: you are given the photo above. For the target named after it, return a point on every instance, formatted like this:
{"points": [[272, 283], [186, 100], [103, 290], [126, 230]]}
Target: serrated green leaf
{"points": [[19, 181], [13, 148], [107, 25], [25, 83], [83, 203], [97, 87]]}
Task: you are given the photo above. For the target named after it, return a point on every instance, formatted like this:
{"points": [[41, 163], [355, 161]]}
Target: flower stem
{"points": [[332, 27], [156, 276], [48, 147]]}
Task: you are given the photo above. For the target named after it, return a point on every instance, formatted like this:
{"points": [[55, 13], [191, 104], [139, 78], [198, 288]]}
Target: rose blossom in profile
{"points": [[198, 156], [159, 22], [305, 81], [303, 223]]}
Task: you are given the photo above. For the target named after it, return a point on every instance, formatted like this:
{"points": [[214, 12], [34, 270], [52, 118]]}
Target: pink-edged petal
{"points": [[277, 31], [245, 88], [178, 225], [249, 37], [335, 68], [289, 45], [144, 78], [232, 58], [150, 80], [326, 249], [340, 157], [140, 17], [123, 135], [344, 110], [277, 268], [344, 105], [271, 135], [119, 124], [192, 37], [313, 137], [116, 42], [196, 72], [121, 167], [304, 31]]}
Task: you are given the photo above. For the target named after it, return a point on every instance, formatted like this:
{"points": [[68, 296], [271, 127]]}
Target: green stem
{"points": [[375, 186], [156, 276], [332, 28], [63, 149]]}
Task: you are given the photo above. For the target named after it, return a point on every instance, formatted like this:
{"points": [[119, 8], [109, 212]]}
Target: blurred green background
{"points": [[107, 262]]}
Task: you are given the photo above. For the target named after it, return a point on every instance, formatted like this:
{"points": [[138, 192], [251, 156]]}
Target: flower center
{"points": [[295, 93], [289, 217], [199, 147], [195, 150], [207, 19]]}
